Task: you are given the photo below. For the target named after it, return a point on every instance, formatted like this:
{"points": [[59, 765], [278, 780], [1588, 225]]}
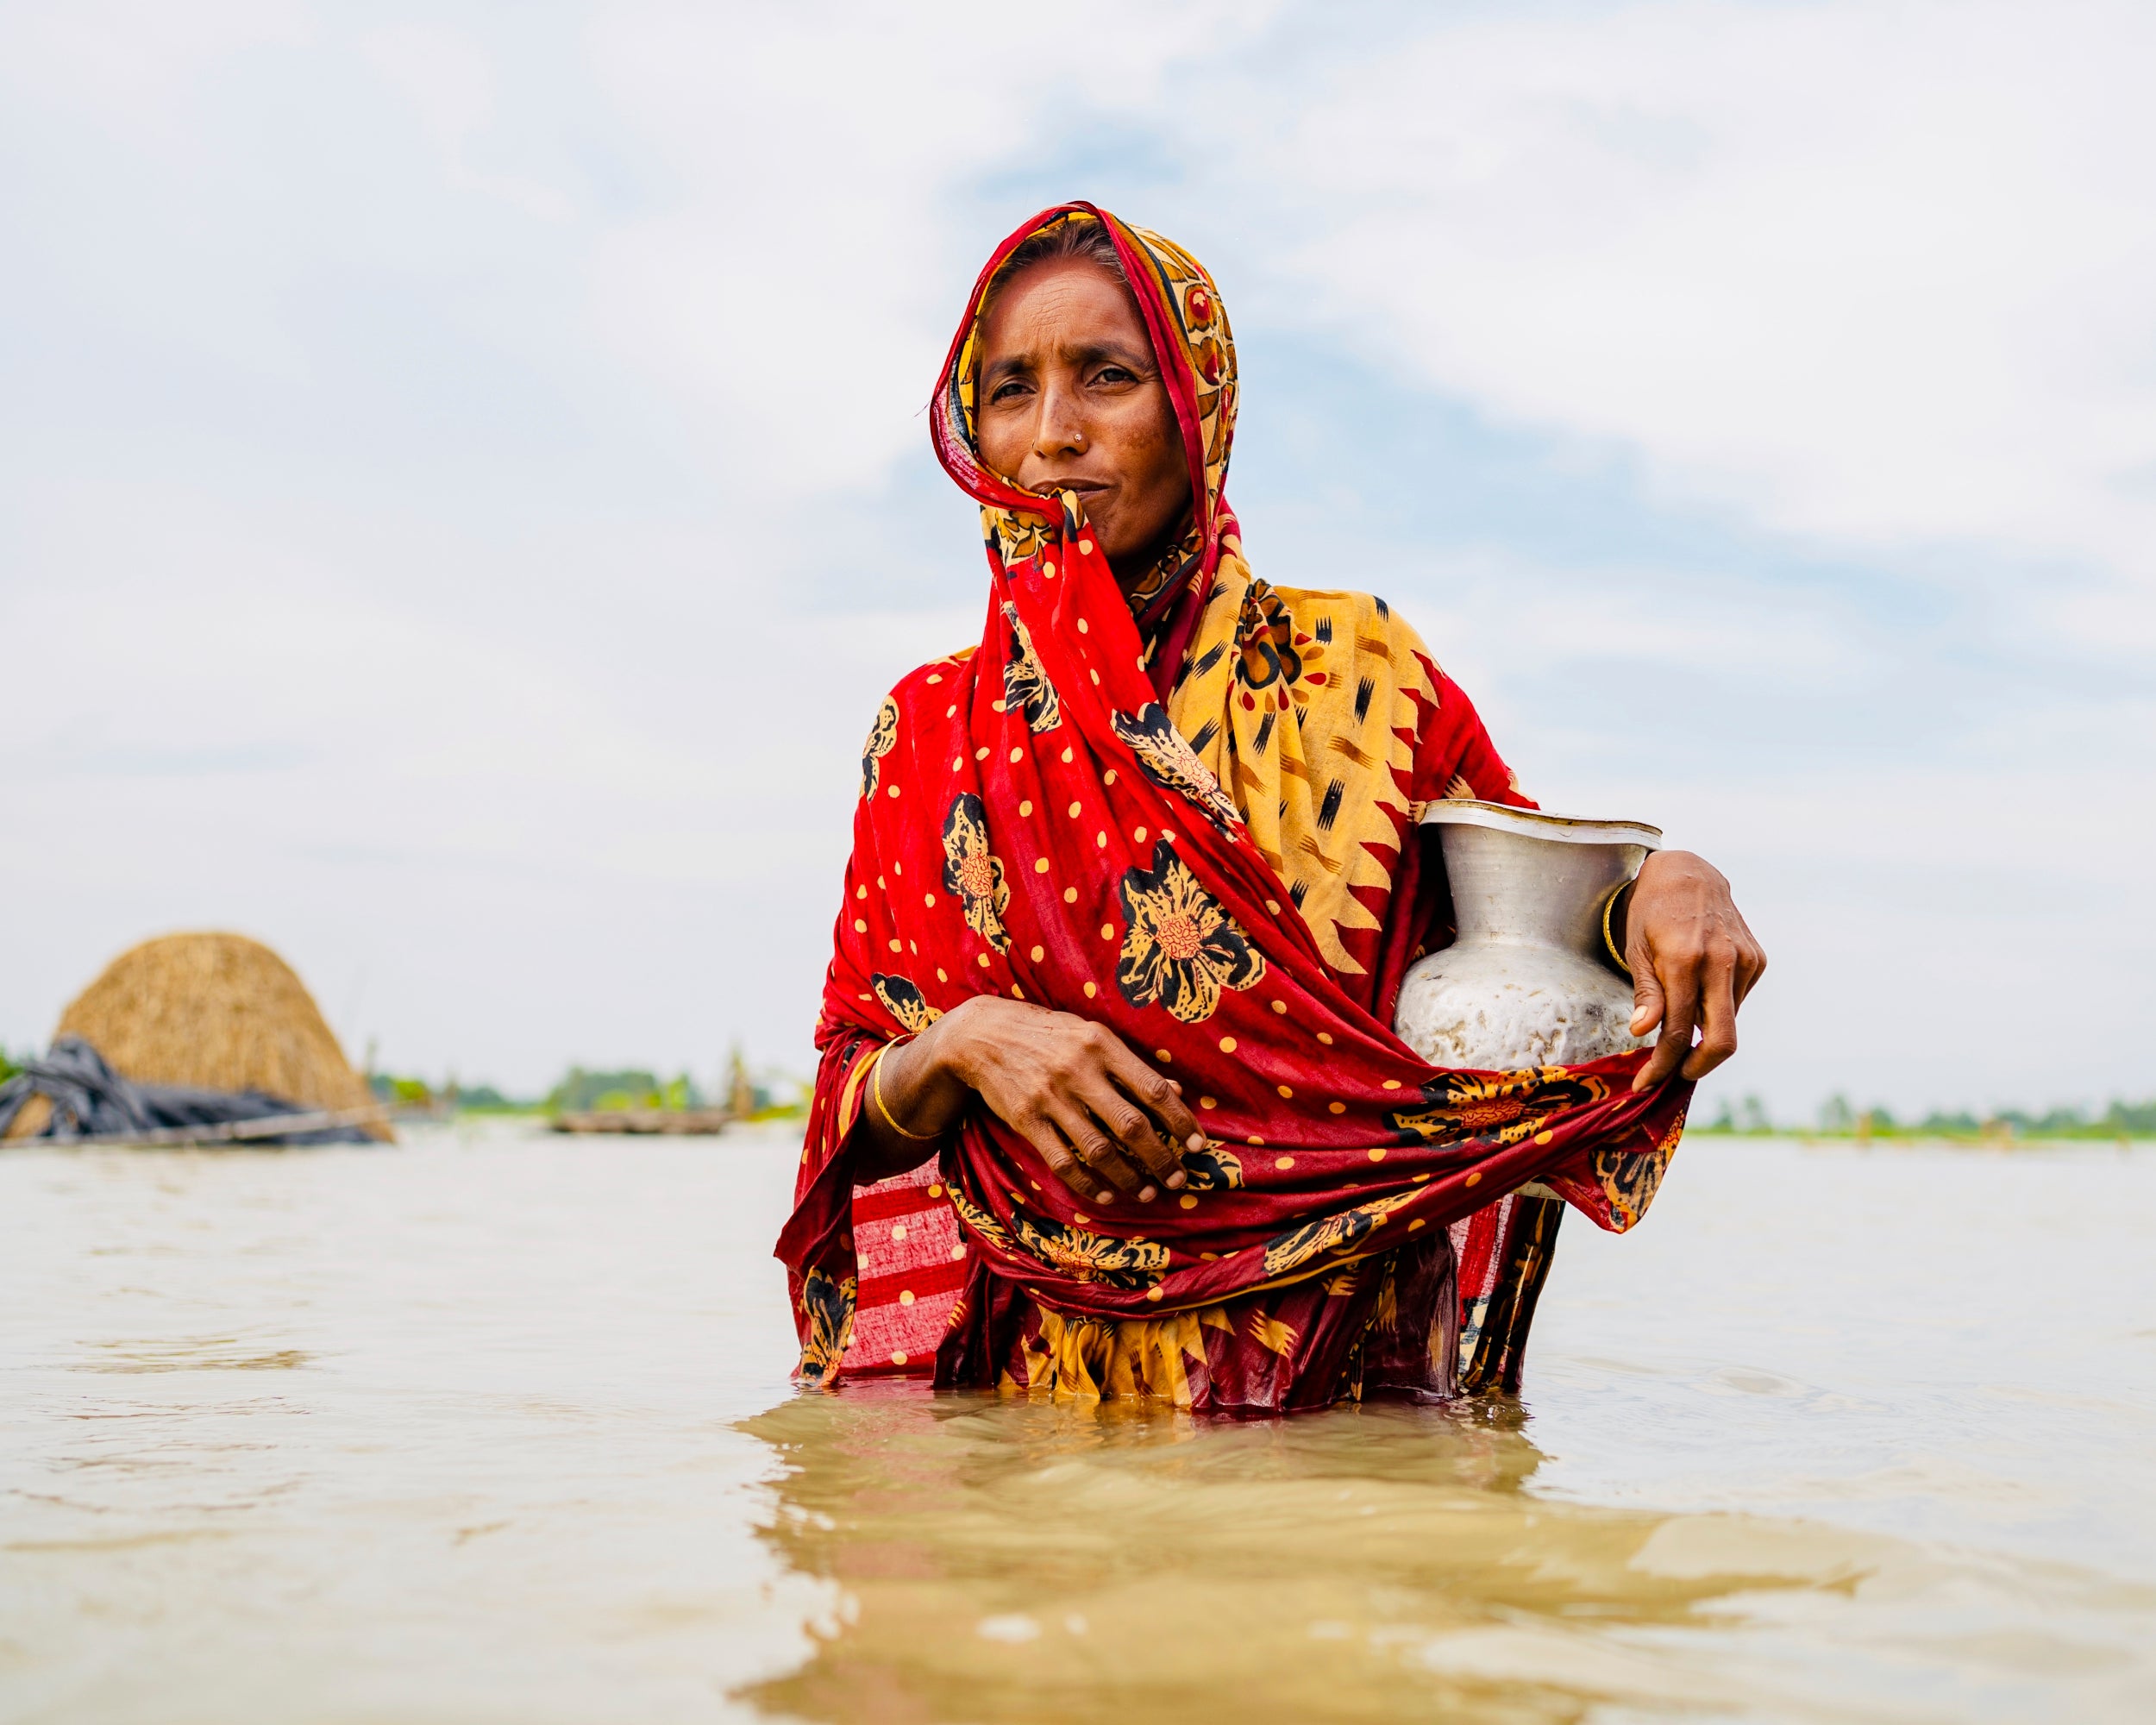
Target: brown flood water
{"points": [[497, 1427]]}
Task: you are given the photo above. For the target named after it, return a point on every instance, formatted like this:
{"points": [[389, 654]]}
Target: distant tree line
{"points": [[1838, 1118], [584, 1090], [580, 1091]]}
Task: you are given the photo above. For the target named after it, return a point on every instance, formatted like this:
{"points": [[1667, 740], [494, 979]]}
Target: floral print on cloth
{"points": [[1179, 946], [1184, 814], [974, 872]]}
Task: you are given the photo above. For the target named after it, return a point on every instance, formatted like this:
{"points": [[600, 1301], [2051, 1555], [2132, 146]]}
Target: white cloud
{"points": [[448, 77], [1881, 274], [137, 67], [805, 252]]}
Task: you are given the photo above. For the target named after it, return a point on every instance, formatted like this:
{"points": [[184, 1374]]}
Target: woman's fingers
{"points": [[1073, 1094], [1717, 1017], [1172, 1128], [1101, 1153], [1104, 1084], [1732, 965], [1694, 960], [1647, 1004], [1063, 1162], [1751, 961], [1133, 1133], [1680, 1008], [1047, 1076]]}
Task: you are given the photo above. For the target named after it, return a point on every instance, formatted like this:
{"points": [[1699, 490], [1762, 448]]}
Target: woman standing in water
{"points": [[1110, 1101]]}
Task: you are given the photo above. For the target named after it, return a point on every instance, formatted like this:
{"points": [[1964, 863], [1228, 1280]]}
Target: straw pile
{"points": [[217, 1011]]}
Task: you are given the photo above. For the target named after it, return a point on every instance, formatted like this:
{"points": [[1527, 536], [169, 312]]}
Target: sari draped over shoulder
{"points": [[1185, 813]]}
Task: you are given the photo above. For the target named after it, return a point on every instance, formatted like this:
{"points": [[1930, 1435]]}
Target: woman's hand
{"points": [[1692, 961], [1104, 1120]]}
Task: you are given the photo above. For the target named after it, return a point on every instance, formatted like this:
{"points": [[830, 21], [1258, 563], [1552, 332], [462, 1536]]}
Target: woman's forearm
{"points": [[1105, 1121]]}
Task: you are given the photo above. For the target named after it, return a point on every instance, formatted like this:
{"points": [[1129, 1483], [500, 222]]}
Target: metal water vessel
{"points": [[1526, 983]]}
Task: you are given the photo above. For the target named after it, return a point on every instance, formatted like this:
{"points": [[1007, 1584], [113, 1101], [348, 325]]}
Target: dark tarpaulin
{"points": [[90, 1099]]}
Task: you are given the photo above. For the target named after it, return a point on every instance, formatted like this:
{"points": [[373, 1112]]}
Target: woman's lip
{"points": [[1069, 485]]}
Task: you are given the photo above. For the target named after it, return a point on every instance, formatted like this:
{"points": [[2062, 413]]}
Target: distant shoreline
{"points": [[2055, 1139]]}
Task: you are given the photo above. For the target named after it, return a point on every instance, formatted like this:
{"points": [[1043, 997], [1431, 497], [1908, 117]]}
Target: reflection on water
{"points": [[1005, 1560], [491, 1428], [187, 1354], [1010, 1560]]}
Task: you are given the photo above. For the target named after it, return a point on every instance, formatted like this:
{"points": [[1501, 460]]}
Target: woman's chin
{"points": [[1103, 527]]}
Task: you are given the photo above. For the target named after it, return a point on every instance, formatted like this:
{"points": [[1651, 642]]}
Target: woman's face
{"points": [[1071, 398]]}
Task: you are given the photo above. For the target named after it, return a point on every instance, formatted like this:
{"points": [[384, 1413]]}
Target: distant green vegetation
{"points": [[1837, 1119], [763, 1096], [578, 1092], [581, 1091], [417, 1093], [757, 1097], [766, 1095]]}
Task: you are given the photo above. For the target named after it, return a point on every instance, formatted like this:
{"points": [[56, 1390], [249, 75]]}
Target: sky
{"points": [[465, 488]]}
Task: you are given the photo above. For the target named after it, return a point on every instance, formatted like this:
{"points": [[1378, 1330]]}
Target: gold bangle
{"points": [[875, 1085], [1609, 943]]}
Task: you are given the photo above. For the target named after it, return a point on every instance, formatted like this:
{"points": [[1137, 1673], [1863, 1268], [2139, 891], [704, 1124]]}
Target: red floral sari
{"points": [[1185, 814]]}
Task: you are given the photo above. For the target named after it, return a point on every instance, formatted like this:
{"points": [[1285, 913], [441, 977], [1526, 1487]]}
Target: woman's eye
{"points": [[1006, 389], [1114, 374]]}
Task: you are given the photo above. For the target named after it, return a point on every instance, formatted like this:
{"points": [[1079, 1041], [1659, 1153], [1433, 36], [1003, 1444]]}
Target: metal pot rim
{"points": [[1562, 829]]}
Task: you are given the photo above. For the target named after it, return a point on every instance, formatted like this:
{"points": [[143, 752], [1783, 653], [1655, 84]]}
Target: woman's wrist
{"points": [[925, 1087], [896, 1129], [929, 1053], [878, 1062], [921, 1085]]}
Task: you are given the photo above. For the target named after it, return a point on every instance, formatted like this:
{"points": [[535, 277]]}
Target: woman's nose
{"points": [[1061, 430]]}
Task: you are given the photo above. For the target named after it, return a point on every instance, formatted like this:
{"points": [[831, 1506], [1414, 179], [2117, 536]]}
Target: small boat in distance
{"points": [[666, 1122], [620, 1112]]}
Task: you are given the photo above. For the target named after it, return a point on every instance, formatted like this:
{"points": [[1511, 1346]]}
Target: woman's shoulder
{"points": [[1342, 602], [897, 713], [1340, 617], [1356, 640], [924, 680]]}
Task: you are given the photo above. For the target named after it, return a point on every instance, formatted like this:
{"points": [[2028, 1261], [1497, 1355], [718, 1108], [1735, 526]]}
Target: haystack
{"points": [[217, 1012]]}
